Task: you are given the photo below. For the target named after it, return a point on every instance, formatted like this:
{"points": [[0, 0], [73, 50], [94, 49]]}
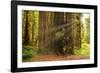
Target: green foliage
{"points": [[85, 37], [58, 35], [83, 51], [82, 33], [88, 30], [28, 52], [85, 30]]}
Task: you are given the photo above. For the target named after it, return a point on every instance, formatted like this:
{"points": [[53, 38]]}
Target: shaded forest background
{"points": [[54, 33]]}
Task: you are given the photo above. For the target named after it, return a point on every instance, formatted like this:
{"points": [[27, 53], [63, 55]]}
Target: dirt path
{"points": [[55, 58]]}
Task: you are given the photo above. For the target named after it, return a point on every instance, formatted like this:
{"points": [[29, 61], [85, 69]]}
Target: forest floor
{"points": [[55, 58]]}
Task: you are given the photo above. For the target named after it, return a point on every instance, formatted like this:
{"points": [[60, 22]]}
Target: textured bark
{"points": [[46, 20], [51, 22], [27, 36], [68, 19], [78, 31], [41, 30], [73, 34], [59, 18]]}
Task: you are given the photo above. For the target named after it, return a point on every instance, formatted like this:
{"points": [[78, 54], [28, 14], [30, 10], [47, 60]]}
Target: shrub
{"points": [[83, 51], [28, 52]]}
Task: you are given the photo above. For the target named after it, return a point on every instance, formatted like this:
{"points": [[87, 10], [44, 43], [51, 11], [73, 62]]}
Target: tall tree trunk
{"points": [[41, 31], [59, 18], [68, 17], [33, 25], [74, 34], [78, 30], [27, 36], [48, 33], [46, 24]]}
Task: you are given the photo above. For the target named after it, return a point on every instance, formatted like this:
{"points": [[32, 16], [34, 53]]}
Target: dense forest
{"points": [[54, 34]]}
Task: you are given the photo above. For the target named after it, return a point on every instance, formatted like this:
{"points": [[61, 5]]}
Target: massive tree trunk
{"points": [[49, 21], [68, 19], [59, 18], [41, 31], [73, 34], [46, 20]]}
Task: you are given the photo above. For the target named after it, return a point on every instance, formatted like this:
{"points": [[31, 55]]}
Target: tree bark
{"points": [[27, 36]]}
